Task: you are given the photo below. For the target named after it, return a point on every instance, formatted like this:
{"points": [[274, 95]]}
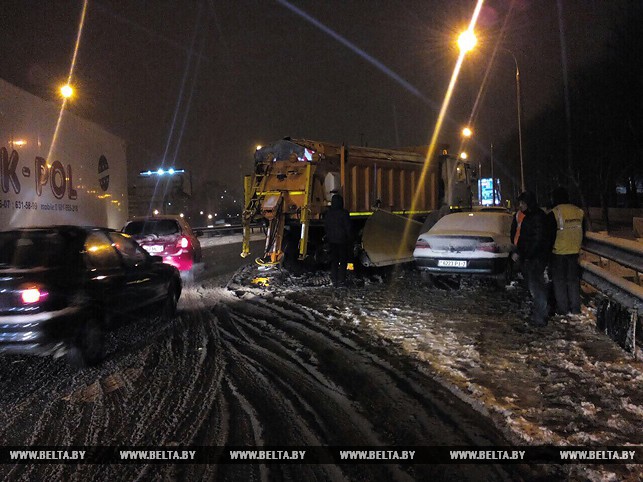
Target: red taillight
{"points": [[32, 295], [421, 244], [184, 242], [488, 247]]}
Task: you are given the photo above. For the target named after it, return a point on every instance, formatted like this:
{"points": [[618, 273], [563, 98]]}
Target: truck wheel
{"points": [[88, 347]]}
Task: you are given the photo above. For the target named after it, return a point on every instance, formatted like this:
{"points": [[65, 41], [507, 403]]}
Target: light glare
{"points": [[66, 91], [467, 40], [31, 295]]}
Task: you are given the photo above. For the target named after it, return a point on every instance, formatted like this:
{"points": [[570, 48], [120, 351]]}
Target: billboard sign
{"points": [[485, 191]]}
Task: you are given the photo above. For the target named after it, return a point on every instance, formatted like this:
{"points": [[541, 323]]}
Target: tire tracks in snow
{"points": [[159, 387], [311, 385]]}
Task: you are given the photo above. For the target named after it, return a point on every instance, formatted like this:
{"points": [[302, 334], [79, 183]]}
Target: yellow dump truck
{"points": [[294, 180]]}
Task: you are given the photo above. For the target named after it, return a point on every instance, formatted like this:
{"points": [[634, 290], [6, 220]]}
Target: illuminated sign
{"points": [[485, 191]]}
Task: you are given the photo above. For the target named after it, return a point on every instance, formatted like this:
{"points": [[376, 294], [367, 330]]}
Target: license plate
{"points": [[451, 263], [153, 249]]}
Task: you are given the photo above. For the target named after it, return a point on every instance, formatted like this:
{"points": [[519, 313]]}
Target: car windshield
{"points": [[481, 221], [160, 227], [30, 249]]}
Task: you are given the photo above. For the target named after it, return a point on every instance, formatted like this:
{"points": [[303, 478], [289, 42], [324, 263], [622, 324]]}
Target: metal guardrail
{"points": [[616, 268], [600, 273], [220, 230]]}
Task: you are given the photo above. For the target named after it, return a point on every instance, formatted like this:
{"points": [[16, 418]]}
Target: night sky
{"points": [[201, 83]]}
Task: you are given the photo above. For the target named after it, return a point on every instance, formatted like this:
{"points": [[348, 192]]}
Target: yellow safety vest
{"points": [[569, 235]]}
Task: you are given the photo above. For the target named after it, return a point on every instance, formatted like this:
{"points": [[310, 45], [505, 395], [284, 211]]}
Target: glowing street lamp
{"points": [[66, 91], [467, 132], [467, 40], [463, 155]]}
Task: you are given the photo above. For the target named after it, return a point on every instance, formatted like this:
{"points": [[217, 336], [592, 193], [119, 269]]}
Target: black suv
{"points": [[62, 286]]}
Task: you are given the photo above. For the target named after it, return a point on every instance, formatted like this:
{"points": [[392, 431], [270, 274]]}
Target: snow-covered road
{"points": [[387, 362], [566, 384]]}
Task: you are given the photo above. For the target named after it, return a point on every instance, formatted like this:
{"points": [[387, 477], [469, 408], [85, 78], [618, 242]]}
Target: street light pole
{"points": [[519, 109], [493, 179]]}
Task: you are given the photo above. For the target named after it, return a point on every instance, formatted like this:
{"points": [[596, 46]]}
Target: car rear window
{"points": [[480, 221], [160, 227], [31, 249]]}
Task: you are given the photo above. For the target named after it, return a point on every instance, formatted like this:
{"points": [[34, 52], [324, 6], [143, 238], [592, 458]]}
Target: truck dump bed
{"points": [[295, 179]]}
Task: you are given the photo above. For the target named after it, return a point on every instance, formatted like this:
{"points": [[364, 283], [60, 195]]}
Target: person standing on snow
{"points": [[566, 223], [516, 223], [534, 247], [340, 237]]}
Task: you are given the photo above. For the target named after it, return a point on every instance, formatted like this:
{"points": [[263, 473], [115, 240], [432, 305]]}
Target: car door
{"points": [[144, 285], [105, 276]]}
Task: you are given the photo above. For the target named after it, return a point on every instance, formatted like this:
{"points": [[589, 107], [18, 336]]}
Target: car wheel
{"points": [[427, 278], [188, 276], [500, 282], [88, 346], [168, 309], [505, 277]]}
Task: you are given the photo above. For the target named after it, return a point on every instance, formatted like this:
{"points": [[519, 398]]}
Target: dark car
{"points": [[171, 238], [61, 287]]}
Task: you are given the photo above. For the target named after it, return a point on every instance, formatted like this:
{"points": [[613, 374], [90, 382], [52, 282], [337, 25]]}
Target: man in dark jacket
{"points": [[339, 236], [534, 246]]}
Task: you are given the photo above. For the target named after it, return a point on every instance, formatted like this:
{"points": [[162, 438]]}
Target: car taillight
{"points": [[32, 295], [183, 242], [488, 247], [421, 244]]}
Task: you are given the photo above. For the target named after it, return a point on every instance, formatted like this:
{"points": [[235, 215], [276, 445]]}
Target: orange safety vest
{"points": [[569, 233], [519, 217]]}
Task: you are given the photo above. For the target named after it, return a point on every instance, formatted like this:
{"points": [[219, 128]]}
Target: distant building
{"points": [[165, 194]]}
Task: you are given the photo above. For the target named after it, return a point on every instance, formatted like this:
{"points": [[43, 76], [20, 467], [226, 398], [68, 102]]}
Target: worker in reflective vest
{"points": [[516, 222], [515, 225], [567, 226]]}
